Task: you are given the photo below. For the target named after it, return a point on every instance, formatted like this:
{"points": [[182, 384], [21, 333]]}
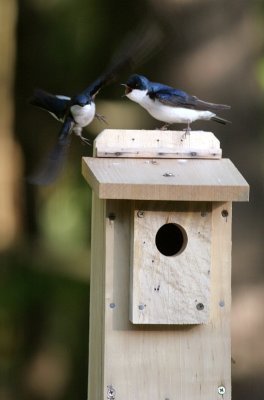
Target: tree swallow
{"points": [[77, 112], [170, 105]]}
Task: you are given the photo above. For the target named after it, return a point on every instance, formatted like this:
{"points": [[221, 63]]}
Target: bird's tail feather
{"points": [[220, 120], [204, 105]]}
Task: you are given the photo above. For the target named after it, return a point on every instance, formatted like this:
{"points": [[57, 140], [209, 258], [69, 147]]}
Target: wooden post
{"points": [[161, 266]]}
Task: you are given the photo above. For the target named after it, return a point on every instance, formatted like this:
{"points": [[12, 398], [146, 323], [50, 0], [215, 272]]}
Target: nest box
{"points": [[160, 266]]}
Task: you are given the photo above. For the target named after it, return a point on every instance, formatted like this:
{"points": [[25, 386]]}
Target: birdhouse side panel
{"points": [[97, 295], [170, 263]]}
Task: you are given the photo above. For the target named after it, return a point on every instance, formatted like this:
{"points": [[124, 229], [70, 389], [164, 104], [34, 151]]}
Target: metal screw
{"points": [[140, 214], [141, 307], [168, 174], [221, 303], [221, 390], [112, 305], [110, 392], [200, 306]]}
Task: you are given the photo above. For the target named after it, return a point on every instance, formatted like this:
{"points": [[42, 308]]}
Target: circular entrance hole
{"points": [[171, 239]]}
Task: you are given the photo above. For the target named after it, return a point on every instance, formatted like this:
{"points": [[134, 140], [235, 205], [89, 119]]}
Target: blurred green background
{"points": [[212, 49]]}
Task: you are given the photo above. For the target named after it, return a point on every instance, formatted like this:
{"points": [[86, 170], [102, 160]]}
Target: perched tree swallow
{"points": [[170, 105], [77, 112]]}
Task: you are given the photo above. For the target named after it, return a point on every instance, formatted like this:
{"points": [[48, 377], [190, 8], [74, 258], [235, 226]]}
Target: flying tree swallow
{"points": [[170, 105], [78, 111], [75, 113]]}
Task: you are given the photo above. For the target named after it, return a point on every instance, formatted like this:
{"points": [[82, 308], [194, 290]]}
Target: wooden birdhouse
{"points": [[160, 266]]}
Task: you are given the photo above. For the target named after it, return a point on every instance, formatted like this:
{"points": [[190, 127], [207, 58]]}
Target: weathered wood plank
{"points": [[97, 296], [164, 179], [170, 289], [157, 144]]}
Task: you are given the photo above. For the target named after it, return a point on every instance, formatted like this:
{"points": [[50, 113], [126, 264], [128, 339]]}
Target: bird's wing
{"points": [[178, 98], [134, 50], [54, 162], [55, 105]]}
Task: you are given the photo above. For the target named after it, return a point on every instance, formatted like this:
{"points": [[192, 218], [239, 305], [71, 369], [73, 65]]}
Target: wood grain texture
{"points": [[164, 179], [157, 144], [187, 362], [97, 296], [170, 289]]}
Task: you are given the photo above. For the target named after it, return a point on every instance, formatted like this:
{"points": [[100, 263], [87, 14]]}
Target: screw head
{"points": [[168, 174], [221, 303], [200, 306], [221, 390], [140, 214], [111, 393]]}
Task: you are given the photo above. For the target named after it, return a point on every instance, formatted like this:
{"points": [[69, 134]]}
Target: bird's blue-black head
{"points": [[137, 82], [81, 100]]}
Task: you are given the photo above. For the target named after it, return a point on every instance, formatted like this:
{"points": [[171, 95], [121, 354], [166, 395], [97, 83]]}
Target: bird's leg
{"points": [[78, 132], [101, 118], [187, 131]]}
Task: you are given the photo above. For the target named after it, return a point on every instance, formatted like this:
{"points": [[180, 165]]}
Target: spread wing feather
{"points": [[55, 105], [54, 162]]}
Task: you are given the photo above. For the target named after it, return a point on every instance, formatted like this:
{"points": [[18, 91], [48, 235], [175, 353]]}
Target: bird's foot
{"points": [[187, 131], [101, 118], [164, 127], [85, 140], [78, 132]]}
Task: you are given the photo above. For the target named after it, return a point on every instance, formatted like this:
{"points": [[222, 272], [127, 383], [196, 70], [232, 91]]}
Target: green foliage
{"points": [[40, 310], [65, 215], [260, 72]]}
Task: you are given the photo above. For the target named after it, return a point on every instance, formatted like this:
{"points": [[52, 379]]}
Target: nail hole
{"points": [[111, 216], [224, 213]]}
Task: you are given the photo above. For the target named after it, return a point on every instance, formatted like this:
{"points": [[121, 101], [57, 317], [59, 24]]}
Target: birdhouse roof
{"points": [[131, 165]]}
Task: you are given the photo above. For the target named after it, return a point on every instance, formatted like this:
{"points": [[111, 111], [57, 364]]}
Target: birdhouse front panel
{"points": [[170, 262]]}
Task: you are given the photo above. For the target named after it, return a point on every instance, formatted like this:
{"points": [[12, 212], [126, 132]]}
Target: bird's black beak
{"points": [[127, 88]]}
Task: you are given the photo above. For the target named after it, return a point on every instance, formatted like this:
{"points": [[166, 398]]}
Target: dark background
{"points": [[211, 49]]}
